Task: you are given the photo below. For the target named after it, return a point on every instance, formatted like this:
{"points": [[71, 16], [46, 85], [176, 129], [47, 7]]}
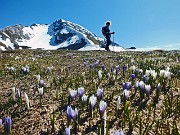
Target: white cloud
{"points": [[175, 46]]}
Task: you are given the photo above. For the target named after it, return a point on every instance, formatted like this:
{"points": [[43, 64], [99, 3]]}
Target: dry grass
{"points": [[69, 66]]}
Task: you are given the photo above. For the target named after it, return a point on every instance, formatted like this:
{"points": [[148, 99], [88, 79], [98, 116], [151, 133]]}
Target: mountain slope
{"points": [[60, 34]]}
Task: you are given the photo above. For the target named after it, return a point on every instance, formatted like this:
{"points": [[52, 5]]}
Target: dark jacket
{"points": [[106, 32]]}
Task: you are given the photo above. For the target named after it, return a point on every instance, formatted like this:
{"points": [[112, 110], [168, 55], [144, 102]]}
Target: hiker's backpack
{"points": [[103, 31]]}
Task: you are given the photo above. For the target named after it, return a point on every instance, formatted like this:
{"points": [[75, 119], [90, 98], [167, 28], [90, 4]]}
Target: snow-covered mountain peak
{"points": [[60, 34]]}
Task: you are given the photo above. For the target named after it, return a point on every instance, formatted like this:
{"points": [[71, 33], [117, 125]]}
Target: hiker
{"points": [[107, 34]]}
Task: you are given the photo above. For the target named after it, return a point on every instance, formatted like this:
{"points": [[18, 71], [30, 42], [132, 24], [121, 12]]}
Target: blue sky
{"points": [[139, 23]]}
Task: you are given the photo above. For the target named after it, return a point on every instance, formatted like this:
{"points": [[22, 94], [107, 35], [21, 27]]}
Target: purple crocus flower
{"points": [[102, 107], [0, 122], [117, 67], [41, 83], [91, 66], [80, 92], [158, 87], [124, 86], [25, 70], [67, 131], [145, 78], [124, 68], [68, 112], [126, 94], [72, 93], [118, 133], [133, 76], [97, 63], [136, 85], [7, 125], [141, 85], [116, 71], [127, 85], [103, 67], [99, 93], [74, 113], [84, 64]]}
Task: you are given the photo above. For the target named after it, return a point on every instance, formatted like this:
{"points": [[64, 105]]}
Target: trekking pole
{"points": [[113, 42]]}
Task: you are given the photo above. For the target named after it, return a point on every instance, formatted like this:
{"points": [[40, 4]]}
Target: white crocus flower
{"points": [[141, 85], [154, 75], [72, 93], [40, 91], [148, 88], [84, 98], [118, 103], [85, 82], [100, 74], [167, 75], [162, 73], [133, 68], [38, 77], [27, 100], [147, 73], [126, 93], [168, 68], [114, 77], [102, 107], [109, 75], [92, 100], [140, 71], [13, 93], [152, 72]]}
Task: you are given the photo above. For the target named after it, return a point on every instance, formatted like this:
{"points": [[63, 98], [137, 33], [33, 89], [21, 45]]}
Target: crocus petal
{"points": [[13, 93], [158, 87], [27, 100], [67, 131], [118, 133], [147, 73], [128, 85], [92, 100], [99, 93], [7, 124], [118, 103], [68, 112], [102, 107], [141, 85], [41, 83], [126, 94], [40, 91], [74, 113], [133, 76], [72, 93], [136, 85], [103, 67], [100, 74], [80, 91], [0, 122], [147, 88], [84, 98]]}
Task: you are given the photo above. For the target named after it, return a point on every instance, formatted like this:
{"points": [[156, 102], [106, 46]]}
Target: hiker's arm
{"points": [[112, 33]]}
